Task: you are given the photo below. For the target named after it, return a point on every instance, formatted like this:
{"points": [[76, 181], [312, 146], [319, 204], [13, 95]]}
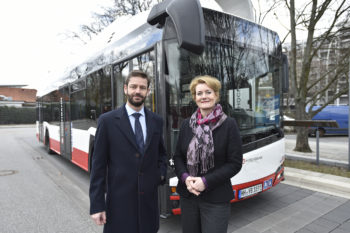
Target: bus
{"points": [[339, 113], [174, 42]]}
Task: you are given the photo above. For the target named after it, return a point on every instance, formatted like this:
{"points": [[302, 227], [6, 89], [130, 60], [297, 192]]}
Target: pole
{"points": [[317, 146], [349, 118]]}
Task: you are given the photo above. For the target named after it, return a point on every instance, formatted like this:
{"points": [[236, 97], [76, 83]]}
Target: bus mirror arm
{"points": [[190, 36]]}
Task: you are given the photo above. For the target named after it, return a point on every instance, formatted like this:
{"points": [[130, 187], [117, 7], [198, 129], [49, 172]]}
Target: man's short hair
{"points": [[137, 73]]}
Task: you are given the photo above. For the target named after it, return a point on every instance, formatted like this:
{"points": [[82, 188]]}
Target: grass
{"points": [[338, 171]]}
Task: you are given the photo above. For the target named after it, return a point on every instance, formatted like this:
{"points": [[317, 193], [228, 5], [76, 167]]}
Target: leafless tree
{"points": [[310, 17]]}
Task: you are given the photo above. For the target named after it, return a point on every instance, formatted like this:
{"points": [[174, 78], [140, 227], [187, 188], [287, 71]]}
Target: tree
{"points": [[309, 92], [107, 15]]}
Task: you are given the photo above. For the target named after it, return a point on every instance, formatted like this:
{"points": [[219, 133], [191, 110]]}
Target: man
{"points": [[128, 163]]}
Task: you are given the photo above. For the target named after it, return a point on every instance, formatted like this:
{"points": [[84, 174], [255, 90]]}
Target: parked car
{"points": [[338, 113]]}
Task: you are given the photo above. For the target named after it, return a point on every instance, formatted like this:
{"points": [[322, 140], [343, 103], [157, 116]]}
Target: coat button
{"points": [[140, 173], [137, 155], [141, 193]]}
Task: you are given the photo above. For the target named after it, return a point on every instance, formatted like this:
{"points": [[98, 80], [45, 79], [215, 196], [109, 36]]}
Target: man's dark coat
{"points": [[132, 178]]}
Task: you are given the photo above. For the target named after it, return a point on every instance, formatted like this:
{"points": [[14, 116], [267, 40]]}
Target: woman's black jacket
{"points": [[227, 161]]}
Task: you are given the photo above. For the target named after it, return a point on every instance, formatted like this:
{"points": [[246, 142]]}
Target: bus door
{"points": [[65, 125]]}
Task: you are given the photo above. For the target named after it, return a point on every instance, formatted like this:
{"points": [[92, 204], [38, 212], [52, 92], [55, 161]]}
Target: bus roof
{"points": [[109, 46]]}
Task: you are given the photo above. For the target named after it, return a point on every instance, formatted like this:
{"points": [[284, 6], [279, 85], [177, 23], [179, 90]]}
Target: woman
{"points": [[208, 154]]}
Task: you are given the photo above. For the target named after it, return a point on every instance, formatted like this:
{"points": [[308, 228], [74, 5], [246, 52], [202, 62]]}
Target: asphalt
{"points": [[304, 202]]}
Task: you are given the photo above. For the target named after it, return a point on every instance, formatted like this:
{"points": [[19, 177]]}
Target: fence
{"points": [[13, 115]]}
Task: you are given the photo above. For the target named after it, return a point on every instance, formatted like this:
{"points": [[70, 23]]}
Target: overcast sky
{"points": [[32, 47], [31, 42]]}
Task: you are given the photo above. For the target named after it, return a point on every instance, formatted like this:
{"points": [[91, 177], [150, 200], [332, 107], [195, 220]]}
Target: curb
{"points": [[330, 162], [320, 182], [19, 126]]}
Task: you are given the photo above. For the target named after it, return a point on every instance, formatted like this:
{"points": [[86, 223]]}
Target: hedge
{"points": [[13, 115]]}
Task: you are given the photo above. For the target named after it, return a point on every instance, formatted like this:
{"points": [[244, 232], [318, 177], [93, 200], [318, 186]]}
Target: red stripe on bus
{"points": [[176, 211], [174, 198], [55, 146], [275, 181], [236, 188], [80, 158]]}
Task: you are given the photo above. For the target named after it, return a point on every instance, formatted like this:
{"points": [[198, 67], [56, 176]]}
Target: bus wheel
{"points": [[47, 144]]}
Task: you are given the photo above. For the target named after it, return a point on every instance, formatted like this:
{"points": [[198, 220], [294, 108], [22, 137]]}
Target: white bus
{"points": [[174, 42]]}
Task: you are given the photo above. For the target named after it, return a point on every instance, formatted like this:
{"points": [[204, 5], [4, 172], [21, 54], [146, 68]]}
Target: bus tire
{"points": [[47, 144]]}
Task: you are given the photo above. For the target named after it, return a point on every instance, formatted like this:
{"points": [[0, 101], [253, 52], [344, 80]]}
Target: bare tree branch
{"points": [[108, 15]]}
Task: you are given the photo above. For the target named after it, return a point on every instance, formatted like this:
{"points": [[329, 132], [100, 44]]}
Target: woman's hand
{"points": [[189, 183], [198, 184], [195, 185]]}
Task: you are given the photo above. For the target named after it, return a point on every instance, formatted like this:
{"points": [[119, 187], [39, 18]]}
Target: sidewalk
{"points": [[320, 182]]}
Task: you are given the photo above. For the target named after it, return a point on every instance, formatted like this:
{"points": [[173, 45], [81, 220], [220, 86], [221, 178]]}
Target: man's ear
{"points": [[125, 89]]}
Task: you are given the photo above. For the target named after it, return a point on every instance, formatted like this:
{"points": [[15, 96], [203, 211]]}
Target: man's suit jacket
{"points": [[129, 178], [227, 161]]}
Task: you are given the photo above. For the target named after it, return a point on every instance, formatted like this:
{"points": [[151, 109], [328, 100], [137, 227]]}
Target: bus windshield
{"points": [[245, 57]]}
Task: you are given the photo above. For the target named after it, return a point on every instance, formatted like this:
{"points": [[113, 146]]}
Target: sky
{"points": [[32, 44], [33, 48]]}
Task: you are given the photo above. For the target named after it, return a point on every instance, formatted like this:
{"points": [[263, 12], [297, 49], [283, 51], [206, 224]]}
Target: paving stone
{"points": [[324, 222], [244, 230], [319, 228], [345, 226], [338, 230], [337, 216], [304, 230]]}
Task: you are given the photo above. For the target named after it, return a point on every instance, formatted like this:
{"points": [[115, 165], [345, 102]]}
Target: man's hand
{"points": [[99, 218]]}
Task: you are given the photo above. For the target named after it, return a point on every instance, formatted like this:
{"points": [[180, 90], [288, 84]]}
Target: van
{"points": [[339, 113]]}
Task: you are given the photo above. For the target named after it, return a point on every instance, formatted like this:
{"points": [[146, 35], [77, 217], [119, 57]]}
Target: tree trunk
{"points": [[302, 143]]}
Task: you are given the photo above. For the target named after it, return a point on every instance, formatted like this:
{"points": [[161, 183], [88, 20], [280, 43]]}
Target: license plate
{"points": [[249, 191], [267, 184]]}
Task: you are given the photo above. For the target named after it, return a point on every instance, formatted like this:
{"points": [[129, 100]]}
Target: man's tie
{"points": [[138, 132]]}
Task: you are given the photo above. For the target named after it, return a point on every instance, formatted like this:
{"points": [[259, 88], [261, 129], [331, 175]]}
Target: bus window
{"points": [[79, 115], [145, 62], [98, 94], [93, 96], [120, 73], [106, 93]]}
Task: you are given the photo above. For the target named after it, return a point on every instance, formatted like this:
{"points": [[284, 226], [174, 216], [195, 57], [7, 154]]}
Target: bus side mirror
{"points": [[285, 74]]}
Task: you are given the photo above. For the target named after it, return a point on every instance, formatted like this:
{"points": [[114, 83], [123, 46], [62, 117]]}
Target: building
{"points": [[17, 96], [331, 59]]}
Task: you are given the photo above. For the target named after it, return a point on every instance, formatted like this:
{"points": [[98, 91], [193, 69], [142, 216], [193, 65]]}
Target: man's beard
{"points": [[134, 103]]}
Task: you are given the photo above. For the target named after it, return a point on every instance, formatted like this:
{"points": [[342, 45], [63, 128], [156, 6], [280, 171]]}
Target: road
{"points": [[46, 193], [331, 147]]}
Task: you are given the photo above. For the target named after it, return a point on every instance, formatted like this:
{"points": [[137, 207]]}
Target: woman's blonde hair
{"points": [[212, 82]]}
